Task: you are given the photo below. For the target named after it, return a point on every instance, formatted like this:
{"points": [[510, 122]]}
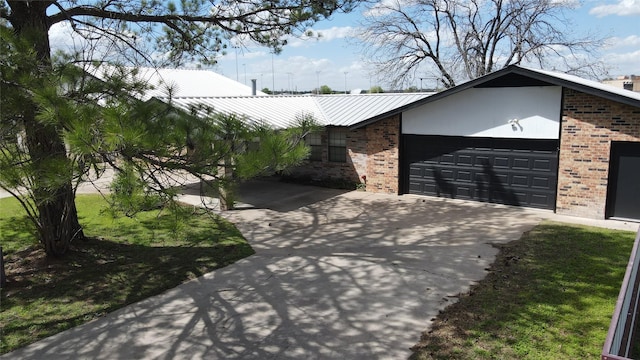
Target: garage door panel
{"points": [[497, 178], [521, 163], [539, 182], [448, 159], [464, 175], [481, 160], [464, 192], [541, 164], [521, 180], [507, 171], [445, 174], [501, 162], [465, 160]]}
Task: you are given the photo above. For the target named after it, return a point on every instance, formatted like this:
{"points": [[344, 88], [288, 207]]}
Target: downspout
{"points": [[401, 172], [555, 200]]}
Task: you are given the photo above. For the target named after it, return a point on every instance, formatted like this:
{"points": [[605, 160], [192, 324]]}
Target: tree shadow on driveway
{"points": [[336, 274]]}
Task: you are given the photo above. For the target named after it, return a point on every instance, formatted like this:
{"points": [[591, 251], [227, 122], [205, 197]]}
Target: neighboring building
{"points": [[182, 82], [631, 82], [517, 136]]}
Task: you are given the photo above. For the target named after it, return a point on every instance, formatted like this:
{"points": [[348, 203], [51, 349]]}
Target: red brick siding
{"points": [[371, 151], [589, 124], [383, 156], [351, 170]]}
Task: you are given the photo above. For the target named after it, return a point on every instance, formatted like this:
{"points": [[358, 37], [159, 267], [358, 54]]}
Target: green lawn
{"points": [[124, 261], [549, 295]]}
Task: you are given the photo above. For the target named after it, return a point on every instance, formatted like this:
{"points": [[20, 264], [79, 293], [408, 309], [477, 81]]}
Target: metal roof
{"points": [[348, 110], [588, 86], [182, 82], [278, 111], [328, 110]]}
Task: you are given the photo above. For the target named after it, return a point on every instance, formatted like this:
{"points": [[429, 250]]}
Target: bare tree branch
{"points": [[456, 40]]}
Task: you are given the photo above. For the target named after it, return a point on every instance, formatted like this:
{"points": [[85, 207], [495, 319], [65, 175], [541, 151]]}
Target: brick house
{"points": [[517, 136], [340, 152]]}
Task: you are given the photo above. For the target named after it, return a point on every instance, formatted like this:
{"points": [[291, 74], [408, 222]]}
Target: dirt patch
{"points": [[450, 329]]}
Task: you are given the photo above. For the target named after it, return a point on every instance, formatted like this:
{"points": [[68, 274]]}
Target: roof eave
{"points": [[494, 75], [576, 86]]}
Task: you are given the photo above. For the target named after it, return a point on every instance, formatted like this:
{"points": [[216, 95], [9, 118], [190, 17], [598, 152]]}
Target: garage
{"points": [[517, 136], [624, 181], [521, 172]]}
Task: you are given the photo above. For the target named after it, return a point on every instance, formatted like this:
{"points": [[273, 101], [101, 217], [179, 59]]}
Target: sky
{"points": [[335, 59]]}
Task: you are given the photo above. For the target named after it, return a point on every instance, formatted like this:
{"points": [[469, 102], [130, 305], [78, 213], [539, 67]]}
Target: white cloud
{"points": [[305, 73], [63, 38], [385, 7], [321, 35], [623, 63], [617, 42], [622, 8], [336, 33]]}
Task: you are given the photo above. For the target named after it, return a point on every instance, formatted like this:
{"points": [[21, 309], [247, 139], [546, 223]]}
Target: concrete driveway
{"points": [[348, 275]]}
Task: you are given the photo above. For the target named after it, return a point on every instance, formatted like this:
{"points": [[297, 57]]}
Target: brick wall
{"points": [[383, 157], [371, 152], [351, 170], [589, 125]]}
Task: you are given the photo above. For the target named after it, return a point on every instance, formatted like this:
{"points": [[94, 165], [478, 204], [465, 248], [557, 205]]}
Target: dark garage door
{"points": [[624, 181], [506, 171]]}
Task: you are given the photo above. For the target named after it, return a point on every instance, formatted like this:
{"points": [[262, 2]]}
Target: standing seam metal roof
{"points": [[328, 110]]}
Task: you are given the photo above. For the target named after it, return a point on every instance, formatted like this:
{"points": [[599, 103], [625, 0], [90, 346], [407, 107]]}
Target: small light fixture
{"points": [[515, 124]]}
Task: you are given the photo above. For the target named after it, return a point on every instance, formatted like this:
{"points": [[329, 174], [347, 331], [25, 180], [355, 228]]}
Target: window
{"points": [[314, 140], [337, 145]]}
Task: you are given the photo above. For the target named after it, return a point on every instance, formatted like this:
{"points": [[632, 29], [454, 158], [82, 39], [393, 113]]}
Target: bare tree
{"points": [[457, 40]]}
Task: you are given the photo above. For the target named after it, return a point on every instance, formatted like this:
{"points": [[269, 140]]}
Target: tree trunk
{"points": [[58, 219]]}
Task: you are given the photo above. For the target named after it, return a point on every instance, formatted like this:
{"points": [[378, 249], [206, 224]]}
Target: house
{"points": [[518, 136], [181, 82], [340, 152], [524, 137], [627, 82]]}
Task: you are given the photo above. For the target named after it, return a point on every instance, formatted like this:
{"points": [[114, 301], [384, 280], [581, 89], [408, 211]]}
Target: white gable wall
{"points": [[486, 112]]}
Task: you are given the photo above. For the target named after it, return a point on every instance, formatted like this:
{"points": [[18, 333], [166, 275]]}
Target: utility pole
{"points": [[273, 76], [237, 74], [289, 81], [345, 82]]}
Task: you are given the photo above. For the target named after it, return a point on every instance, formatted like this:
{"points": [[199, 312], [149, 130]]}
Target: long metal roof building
{"points": [[281, 111]]}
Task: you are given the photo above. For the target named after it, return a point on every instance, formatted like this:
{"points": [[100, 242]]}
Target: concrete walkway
{"points": [[349, 275]]}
